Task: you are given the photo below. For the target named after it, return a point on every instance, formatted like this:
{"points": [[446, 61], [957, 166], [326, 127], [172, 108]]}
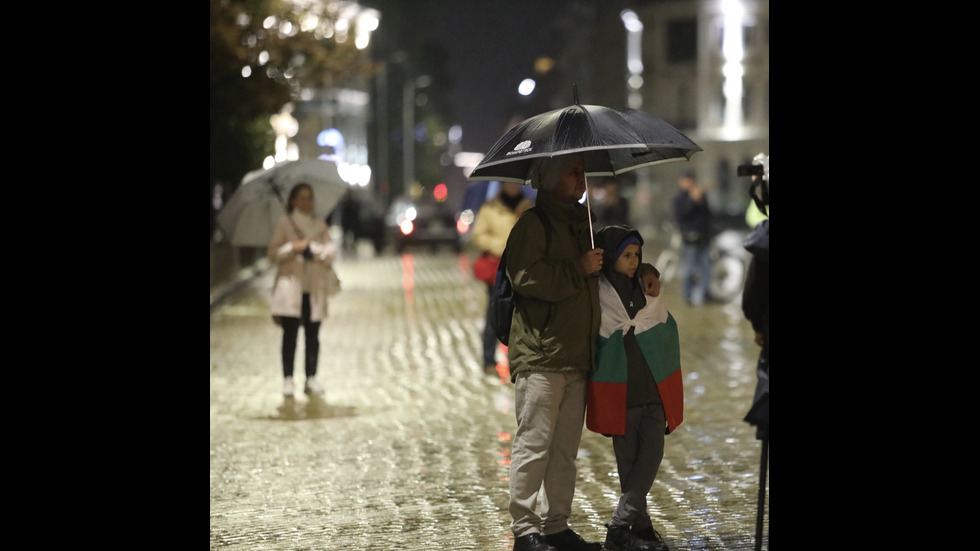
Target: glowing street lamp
{"points": [[634, 56], [408, 127], [733, 53], [526, 87]]}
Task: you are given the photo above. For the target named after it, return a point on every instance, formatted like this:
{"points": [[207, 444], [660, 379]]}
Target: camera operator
{"points": [[755, 296], [755, 305]]}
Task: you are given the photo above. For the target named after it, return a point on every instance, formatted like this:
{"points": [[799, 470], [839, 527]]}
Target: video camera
{"points": [[759, 170], [751, 170]]}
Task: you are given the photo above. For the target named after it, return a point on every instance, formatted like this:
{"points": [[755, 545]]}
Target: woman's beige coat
{"points": [[287, 290], [493, 224]]}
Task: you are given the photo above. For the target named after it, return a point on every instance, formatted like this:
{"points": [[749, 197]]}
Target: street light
{"points": [[408, 127], [367, 22], [526, 87], [732, 50], [634, 56]]}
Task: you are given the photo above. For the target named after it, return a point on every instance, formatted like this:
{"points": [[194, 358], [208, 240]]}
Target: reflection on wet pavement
{"points": [[410, 446], [315, 408]]}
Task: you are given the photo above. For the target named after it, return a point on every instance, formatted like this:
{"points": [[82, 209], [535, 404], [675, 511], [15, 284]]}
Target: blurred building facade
{"points": [[701, 65], [331, 121], [706, 71], [335, 128]]}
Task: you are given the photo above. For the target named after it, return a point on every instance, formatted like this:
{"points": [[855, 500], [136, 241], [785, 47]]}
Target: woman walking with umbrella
{"points": [[303, 251]]}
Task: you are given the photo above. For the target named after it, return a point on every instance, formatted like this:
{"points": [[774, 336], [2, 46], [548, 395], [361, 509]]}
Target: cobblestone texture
{"points": [[409, 448]]}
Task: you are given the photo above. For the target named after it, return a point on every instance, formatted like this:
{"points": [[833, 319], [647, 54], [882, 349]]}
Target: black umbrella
{"points": [[611, 140]]}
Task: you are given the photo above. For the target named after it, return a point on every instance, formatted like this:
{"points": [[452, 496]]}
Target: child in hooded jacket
{"points": [[635, 394]]}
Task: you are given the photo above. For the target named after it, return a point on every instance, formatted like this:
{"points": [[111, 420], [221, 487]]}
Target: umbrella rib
{"points": [[580, 150], [583, 150], [634, 167]]}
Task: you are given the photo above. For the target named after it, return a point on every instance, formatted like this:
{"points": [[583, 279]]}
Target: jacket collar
{"points": [[565, 212]]}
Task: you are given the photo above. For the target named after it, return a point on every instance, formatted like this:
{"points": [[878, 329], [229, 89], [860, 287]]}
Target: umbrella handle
{"points": [[285, 208], [588, 206]]}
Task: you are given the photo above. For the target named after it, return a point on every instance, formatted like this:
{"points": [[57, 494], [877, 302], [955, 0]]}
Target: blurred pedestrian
{"points": [[350, 216], [613, 209], [302, 251], [217, 201], [635, 394], [693, 217], [493, 223], [552, 346]]}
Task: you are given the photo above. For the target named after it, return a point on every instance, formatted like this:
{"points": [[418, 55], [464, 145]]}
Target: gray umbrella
{"points": [[250, 215]]}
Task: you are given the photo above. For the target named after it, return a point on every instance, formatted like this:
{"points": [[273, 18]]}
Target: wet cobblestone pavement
{"points": [[409, 448]]}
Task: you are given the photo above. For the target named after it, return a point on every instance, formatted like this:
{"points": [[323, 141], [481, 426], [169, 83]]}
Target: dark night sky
{"points": [[493, 45]]}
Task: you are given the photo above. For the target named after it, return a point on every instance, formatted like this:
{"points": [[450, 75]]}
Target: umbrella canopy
{"points": [[250, 215], [613, 141]]}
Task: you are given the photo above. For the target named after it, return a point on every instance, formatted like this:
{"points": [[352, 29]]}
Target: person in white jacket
{"points": [[302, 251]]}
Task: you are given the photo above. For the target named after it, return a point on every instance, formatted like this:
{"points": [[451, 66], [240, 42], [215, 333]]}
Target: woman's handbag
{"points": [[333, 282], [485, 268]]}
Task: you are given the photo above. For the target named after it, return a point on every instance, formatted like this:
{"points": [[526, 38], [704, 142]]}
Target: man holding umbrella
{"points": [[553, 266], [552, 342]]}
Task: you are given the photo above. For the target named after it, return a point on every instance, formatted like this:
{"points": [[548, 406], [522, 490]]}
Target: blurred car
{"points": [[422, 223]]}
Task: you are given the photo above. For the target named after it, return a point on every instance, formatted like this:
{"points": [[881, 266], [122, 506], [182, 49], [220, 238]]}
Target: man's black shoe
{"points": [[619, 538], [567, 540], [652, 536], [532, 542]]}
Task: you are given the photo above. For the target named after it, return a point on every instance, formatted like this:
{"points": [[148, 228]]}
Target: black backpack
{"points": [[503, 300]]}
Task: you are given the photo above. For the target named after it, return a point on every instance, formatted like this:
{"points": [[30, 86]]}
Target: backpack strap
{"points": [[503, 299], [545, 221]]}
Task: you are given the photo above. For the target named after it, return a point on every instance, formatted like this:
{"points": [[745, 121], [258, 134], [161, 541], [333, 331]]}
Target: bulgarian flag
{"points": [[656, 332]]}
